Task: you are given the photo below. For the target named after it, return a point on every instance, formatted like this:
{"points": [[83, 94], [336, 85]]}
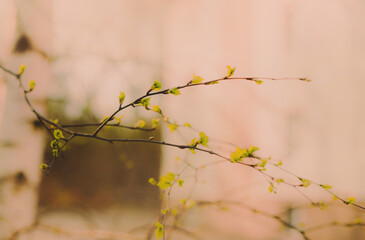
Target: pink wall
{"points": [[101, 47]]}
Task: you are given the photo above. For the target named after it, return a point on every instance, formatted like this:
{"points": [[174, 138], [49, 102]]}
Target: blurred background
{"points": [[82, 53]]}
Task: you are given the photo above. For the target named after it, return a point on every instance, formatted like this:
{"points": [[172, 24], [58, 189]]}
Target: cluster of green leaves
{"points": [[159, 230], [203, 140], [157, 109], [145, 102], [166, 181], [31, 83], [174, 211], [242, 153], [196, 79], [305, 182], [55, 148]]}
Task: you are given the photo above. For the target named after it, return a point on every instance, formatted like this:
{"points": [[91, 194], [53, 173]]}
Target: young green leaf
{"points": [[251, 150], [194, 142], [230, 71], [58, 134], [258, 81], [170, 176], [350, 200], [358, 221], [54, 144], [187, 125], [174, 212], [140, 124], [31, 85], [21, 69], [180, 182], [156, 86], [196, 79], [121, 97], [203, 139], [164, 184], [262, 164], [44, 166], [118, 119], [145, 102], [155, 122], [157, 109], [211, 82], [279, 180], [272, 188], [326, 187], [239, 154], [174, 91], [305, 79], [279, 163], [159, 230], [164, 211], [305, 182], [55, 121], [152, 181], [166, 181], [55, 153], [172, 127]]}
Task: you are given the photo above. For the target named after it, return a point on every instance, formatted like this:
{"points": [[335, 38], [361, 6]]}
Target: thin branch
{"points": [[334, 224], [107, 125], [189, 84], [254, 210]]}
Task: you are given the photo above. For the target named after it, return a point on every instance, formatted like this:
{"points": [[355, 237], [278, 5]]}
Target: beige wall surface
{"points": [[316, 129], [321, 40]]}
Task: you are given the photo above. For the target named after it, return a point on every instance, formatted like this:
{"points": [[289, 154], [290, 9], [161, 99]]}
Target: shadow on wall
{"points": [[95, 174]]}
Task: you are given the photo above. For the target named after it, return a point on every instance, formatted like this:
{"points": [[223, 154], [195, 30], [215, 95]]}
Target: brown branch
{"points": [[254, 210], [107, 125], [189, 84], [333, 224]]}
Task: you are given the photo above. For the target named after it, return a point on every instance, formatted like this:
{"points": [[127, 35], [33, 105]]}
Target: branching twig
{"points": [[255, 162]]}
